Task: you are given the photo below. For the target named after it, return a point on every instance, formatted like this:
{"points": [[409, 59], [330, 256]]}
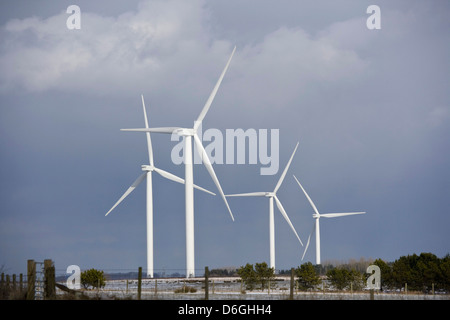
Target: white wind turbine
{"points": [[273, 195], [188, 133], [316, 226], [148, 169]]}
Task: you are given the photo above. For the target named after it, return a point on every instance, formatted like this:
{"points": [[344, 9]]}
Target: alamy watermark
{"points": [[74, 280], [74, 20], [373, 22], [374, 280], [236, 146]]}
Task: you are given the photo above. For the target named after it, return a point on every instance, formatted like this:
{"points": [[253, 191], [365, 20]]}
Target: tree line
{"points": [[422, 272], [419, 272]]}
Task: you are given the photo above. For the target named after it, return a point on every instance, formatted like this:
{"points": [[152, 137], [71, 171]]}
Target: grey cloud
{"points": [[370, 109]]}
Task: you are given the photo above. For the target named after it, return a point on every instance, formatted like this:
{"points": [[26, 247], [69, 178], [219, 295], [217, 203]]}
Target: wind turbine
{"points": [[148, 169], [273, 195], [316, 226], [188, 134]]}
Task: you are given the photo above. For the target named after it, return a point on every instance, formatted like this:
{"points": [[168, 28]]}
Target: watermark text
{"points": [[237, 146]]}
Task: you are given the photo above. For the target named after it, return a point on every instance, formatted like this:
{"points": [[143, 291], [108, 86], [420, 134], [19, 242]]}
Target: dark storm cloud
{"points": [[369, 107]]}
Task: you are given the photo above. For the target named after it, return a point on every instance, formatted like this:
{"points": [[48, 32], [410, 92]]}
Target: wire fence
{"points": [[194, 287], [171, 284], [234, 288]]}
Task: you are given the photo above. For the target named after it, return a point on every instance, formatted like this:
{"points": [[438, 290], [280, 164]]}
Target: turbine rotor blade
{"points": [[129, 190], [149, 140], [213, 94], [250, 194], [309, 239], [334, 215], [204, 190], [210, 169], [169, 130], [280, 181], [175, 178], [307, 196], [283, 212]]}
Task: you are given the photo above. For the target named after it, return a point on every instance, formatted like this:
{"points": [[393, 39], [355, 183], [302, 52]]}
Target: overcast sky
{"points": [[370, 108]]}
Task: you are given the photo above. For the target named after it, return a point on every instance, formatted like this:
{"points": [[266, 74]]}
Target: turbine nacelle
{"points": [[146, 167], [188, 131], [270, 194], [185, 131]]}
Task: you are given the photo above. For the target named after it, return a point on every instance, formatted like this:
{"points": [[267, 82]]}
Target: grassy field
{"points": [[231, 288]]}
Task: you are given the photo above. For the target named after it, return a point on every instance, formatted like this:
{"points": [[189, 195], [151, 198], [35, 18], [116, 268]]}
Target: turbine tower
{"points": [[316, 226], [188, 134], [148, 169], [273, 195]]}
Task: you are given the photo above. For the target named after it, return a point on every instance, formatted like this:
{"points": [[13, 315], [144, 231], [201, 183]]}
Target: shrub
{"points": [[261, 274], [307, 277], [342, 278], [92, 278], [185, 289]]}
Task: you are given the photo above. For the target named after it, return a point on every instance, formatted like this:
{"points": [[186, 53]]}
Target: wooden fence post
{"points": [[206, 283], [139, 283], [20, 283], [14, 282], [2, 287], [31, 279], [49, 278], [291, 292]]}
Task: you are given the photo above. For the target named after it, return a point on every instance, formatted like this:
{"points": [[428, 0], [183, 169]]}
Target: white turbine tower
{"points": [[188, 133], [273, 195], [148, 169], [316, 226]]}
